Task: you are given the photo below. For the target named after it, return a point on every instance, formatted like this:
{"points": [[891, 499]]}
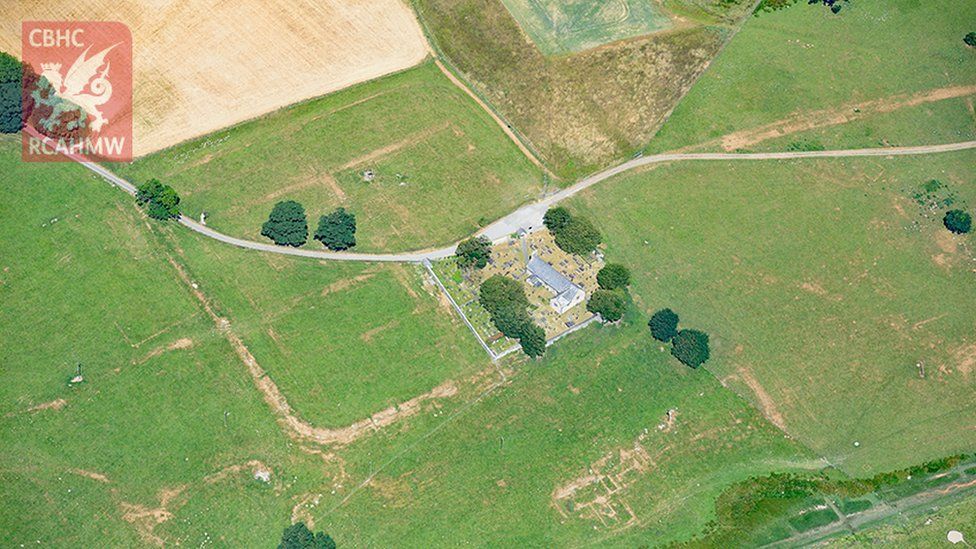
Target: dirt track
{"points": [[529, 216], [844, 114]]}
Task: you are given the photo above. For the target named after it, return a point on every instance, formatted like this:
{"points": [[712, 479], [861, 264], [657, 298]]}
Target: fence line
{"points": [[464, 317]]}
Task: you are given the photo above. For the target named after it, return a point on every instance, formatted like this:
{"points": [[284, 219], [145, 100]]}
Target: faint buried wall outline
{"points": [[598, 495]]}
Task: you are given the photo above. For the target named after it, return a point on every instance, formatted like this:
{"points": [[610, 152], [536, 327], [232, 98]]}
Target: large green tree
{"points": [[533, 340], [690, 347], [970, 39], [613, 276], [473, 252], [298, 536], [578, 236], [500, 292], [511, 320], [337, 230], [958, 221], [664, 325], [609, 304], [160, 201], [572, 234], [506, 303], [286, 225], [556, 218]]}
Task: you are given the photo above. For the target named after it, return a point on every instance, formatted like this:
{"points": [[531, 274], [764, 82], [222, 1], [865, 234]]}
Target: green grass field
{"points": [[598, 392], [565, 27], [93, 287], [442, 166], [320, 332], [585, 110], [158, 422], [823, 284], [945, 121], [787, 64]]}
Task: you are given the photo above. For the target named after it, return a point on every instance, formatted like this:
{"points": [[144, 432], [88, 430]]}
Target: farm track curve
{"points": [[529, 216]]}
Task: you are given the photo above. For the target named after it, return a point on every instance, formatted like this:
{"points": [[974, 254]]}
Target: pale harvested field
{"points": [[201, 65]]}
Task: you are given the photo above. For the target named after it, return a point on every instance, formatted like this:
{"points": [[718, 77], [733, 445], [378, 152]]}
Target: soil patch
{"points": [[766, 402]]}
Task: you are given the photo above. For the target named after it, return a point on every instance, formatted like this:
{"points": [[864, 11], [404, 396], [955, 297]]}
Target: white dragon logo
{"points": [[84, 73]]}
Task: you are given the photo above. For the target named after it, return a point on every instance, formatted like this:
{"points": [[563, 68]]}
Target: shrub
{"points": [[609, 304], [160, 201], [958, 221], [690, 347], [473, 252], [337, 231], [533, 340], [970, 39], [286, 225], [578, 236], [663, 325], [613, 276]]}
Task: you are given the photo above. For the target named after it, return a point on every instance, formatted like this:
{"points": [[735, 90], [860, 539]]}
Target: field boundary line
{"points": [[457, 78], [430, 270]]}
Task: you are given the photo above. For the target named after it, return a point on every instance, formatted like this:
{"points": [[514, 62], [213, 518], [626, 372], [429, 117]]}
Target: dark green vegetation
{"points": [[690, 347], [773, 508], [286, 224], [298, 536], [613, 276], [573, 234], [822, 283], [585, 110], [533, 340], [505, 301], [609, 304], [772, 5], [785, 75], [970, 39], [160, 201], [473, 253], [663, 325], [556, 218], [920, 530], [441, 166], [958, 221], [11, 113], [337, 231]]}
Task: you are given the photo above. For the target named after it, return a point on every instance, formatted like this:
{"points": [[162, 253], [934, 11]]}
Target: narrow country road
{"points": [[527, 217]]}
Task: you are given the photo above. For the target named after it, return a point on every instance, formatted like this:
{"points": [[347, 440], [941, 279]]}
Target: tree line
{"points": [[288, 226]]}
